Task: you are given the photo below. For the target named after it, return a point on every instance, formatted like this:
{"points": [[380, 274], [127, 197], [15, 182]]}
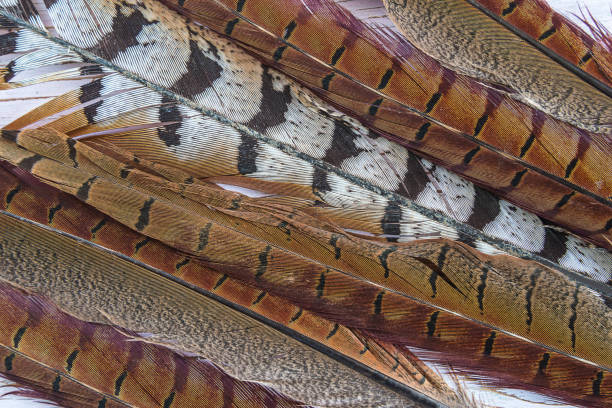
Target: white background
{"points": [[601, 10]]}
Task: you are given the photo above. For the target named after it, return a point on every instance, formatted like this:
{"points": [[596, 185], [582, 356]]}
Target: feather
{"points": [[468, 126]]}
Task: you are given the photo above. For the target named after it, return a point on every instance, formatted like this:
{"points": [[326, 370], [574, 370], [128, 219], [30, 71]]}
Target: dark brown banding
{"points": [[572, 321], [564, 200], [334, 242], [52, 212], [390, 222], [263, 262], [220, 282], [422, 131], [597, 384], [10, 135], [481, 288], [70, 360], [327, 80], [516, 180], [378, 302], [364, 350], [432, 102], [102, 403], [374, 107], [296, 316], [28, 163], [321, 285], [240, 5], [143, 218], [56, 383], [337, 55], [289, 30], [229, 28], [511, 7], [11, 194], [543, 363], [97, 227], [168, 401], [203, 239], [333, 331], [525, 148], [140, 244], [570, 167], [384, 257], [547, 33], [470, 155], [278, 54], [480, 124], [119, 382], [18, 336], [529, 294], [8, 362], [384, 81], [585, 58], [83, 191], [259, 298], [182, 263], [431, 324]]}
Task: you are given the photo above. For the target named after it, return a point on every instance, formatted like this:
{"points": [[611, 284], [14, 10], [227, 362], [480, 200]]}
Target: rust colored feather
{"points": [[509, 147]]}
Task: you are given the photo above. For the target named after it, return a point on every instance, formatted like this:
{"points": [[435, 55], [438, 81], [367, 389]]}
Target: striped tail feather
{"points": [[415, 101], [82, 166]]}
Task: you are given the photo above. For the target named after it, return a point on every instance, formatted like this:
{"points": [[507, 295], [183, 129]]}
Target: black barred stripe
{"points": [[384, 81], [383, 258], [431, 324], [140, 244], [422, 131], [509, 9], [240, 5], [52, 212], [97, 227], [517, 178], [119, 382], [481, 288], [278, 54], [488, 347], [11, 194], [72, 152], [125, 172], [8, 362], [480, 124], [143, 218], [586, 58], [333, 331], [321, 285], [334, 242], [259, 298], [28, 163], [608, 225], [201, 71], [203, 239], [10, 135], [182, 263], [365, 349], [525, 148], [374, 107], [528, 296], [220, 282], [327, 79], [296, 316], [564, 200], [547, 33], [378, 303], [572, 321], [229, 28], [570, 167], [56, 384], [168, 401], [432, 102], [391, 221], [70, 360], [18, 336], [543, 363], [247, 155], [263, 262], [83, 191], [597, 384], [470, 155], [337, 54], [289, 29]]}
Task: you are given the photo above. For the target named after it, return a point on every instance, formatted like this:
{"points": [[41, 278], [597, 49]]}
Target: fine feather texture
{"points": [[160, 121], [478, 122]]}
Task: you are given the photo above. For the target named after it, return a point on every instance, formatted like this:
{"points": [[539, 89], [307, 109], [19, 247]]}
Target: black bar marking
{"points": [[119, 382], [140, 244], [296, 316], [247, 155], [510, 8], [333, 242], [431, 324], [181, 264], [220, 282], [570, 167], [327, 79], [181, 3], [547, 33], [169, 400], [240, 5], [259, 298], [11, 194], [263, 261], [378, 303], [143, 218], [203, 240], [383, 258], [337, 54], [278, 54], [29, 162], [18, 336], [480, 124], [517, 178], [365, 349], [289, 30], [608, 225], [470, 155], [384, 81], [527, 145], [390, 222], [432, 102], [332, 332], [8, 362], [52, 212], [564, 200], [83, 191], [102, 403], [422, 131], [597, 384], [488, 348], [321, 285], [586, 58], [543, 363], [481, 289], [97, 228], [124, 172], [72, 152], [374, 107], [572, 321], [529, 294], [10, 135], [70, 360], [56, 383], [229, 28]]}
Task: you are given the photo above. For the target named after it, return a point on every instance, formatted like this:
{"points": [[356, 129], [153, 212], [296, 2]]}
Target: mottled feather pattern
{"points": [[348, 252]]}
